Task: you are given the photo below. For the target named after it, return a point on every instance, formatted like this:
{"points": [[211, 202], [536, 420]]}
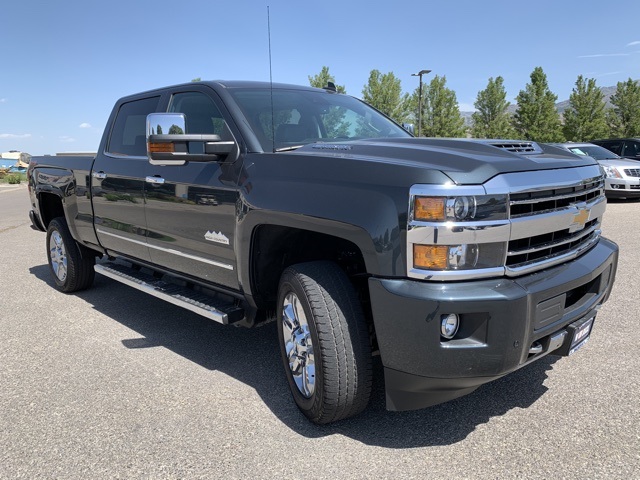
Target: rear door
{"points": [[191, 208], [118, 181]]}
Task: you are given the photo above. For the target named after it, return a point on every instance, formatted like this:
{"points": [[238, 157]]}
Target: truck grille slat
{"points": [[531, 203], [540, 246]]}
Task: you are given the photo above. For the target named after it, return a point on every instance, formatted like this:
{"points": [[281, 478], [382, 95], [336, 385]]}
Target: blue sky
{"points": [[64, 64]]}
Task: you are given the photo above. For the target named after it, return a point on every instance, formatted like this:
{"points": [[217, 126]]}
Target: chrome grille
{"points": [[632, 172], [554, 224]]}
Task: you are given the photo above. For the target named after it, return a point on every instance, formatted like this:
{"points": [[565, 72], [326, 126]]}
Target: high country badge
{"points": [[217, 237]]}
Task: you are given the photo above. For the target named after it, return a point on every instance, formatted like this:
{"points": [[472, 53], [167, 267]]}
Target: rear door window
{"points": [[631, 149], [615, 147]]}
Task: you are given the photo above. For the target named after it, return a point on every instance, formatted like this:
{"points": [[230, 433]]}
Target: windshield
{"points": [[594, 151], [305, 116]]}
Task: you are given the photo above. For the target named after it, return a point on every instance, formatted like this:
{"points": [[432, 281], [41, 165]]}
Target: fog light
{"points": [[449, 325]]}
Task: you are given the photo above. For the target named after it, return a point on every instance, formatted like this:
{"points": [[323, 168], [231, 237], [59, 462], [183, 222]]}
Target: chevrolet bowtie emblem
{"points": [[580, 219]]}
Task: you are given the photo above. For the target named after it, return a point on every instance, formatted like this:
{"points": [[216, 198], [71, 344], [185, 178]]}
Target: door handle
{"points": [[155, 180], [99, 175]]}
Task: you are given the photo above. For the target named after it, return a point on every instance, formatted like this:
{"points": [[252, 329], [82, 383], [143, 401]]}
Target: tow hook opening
{"points": [[548, 344], [536, 348]]}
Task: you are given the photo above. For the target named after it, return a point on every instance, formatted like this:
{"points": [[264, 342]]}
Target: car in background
{"points": [[623, 147], [17, 169], [622, 175]]}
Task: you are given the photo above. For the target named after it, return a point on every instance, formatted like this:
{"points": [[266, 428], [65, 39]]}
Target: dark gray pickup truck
{"points": [[457, 261]]}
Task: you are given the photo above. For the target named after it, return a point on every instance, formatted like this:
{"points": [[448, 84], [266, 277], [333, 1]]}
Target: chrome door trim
{"points": [[170, 250]]}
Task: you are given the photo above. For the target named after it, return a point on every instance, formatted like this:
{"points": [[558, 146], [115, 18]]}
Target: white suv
{"points": [[623, 175]]}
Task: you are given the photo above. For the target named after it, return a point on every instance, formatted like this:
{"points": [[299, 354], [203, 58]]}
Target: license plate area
{"points": [[578, 335]]}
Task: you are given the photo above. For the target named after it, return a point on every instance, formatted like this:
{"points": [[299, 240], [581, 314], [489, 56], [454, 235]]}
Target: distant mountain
{"points": [[608, 91], [560, 106]]}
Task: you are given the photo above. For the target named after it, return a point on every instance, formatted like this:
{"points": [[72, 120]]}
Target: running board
{"points": [[225, 313]]}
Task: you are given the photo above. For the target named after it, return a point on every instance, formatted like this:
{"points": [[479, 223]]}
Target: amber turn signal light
{"points": [[429, 208], [161, 147], [430, 257]]}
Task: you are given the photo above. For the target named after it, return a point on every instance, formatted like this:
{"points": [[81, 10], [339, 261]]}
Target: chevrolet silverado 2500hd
{"points": [[457, 261]]}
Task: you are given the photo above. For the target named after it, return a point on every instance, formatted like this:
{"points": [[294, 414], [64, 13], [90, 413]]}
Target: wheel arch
{"points": [[50, 206], [55, 191], [275, 247]]}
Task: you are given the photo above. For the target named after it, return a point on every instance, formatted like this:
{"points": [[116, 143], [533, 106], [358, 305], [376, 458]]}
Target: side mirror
{"points": [[409, 128], [168, 142]]}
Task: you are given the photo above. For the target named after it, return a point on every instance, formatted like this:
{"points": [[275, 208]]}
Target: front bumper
{"points": [[500, 321], [628, 187]]}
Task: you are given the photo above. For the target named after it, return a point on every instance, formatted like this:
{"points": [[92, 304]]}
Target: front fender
{"points": [[369, 220]]}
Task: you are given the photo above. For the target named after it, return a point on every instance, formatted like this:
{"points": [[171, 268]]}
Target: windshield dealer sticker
{"points": [[217, 237]]}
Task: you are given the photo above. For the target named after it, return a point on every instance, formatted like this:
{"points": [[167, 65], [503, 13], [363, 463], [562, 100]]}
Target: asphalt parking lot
{"points": [[111, 383]]}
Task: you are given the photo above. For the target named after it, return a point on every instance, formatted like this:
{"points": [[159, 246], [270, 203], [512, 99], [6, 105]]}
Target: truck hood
{"points": [[464, 161]]}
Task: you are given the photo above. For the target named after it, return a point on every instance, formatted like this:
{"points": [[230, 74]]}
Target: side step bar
{"points": [[225, 313]]}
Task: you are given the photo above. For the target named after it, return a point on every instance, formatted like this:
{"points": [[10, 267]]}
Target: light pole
{"points": [[419, 74]]}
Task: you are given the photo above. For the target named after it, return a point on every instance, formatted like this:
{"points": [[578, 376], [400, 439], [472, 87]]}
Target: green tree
{"points": [[197, 79], [323, 78], [384, 92], [585, 118], [536, 117], [491, 118], [440, 112], [624, 118], [333, 118]]}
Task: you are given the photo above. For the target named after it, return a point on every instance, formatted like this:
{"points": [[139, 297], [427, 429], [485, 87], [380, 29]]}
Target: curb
{"points": [[5, 188]]}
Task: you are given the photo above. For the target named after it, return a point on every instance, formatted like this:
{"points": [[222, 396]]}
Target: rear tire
{"points": [[324, 342], [71, 264]]}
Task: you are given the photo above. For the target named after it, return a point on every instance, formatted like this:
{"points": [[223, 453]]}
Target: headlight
{"points": [[464, 208], [457, 229], [459, 257], [612, 172], [461, 208]]}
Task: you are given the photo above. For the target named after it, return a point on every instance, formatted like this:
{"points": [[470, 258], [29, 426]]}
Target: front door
{"points": [[191, 208]]}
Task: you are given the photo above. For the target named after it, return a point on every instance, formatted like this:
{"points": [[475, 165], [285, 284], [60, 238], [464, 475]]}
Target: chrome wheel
{"points": [[298, 345], [58, 256], [71, 264]]}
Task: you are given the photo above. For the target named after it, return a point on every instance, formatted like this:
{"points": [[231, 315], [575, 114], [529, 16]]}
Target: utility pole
{"points": [[419, 74]]}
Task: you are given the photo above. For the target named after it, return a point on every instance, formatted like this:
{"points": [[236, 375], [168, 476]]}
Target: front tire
{"points": [[71, 264], [324, 342]]}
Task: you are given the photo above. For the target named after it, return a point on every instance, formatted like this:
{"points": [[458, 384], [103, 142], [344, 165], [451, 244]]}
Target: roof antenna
{"points": [[331, 87], [273, 126]]}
